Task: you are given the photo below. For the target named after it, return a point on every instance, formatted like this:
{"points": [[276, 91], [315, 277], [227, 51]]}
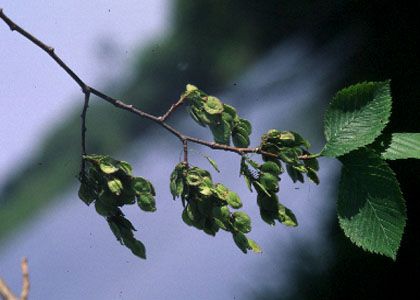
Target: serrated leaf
{"points": [[370, 207], [356, 116], [402, 146], [213, 163]]}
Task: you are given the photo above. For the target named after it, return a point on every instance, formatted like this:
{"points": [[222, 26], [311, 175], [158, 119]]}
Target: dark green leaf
{"points": [[271, 167], [141, 185], [146, 202], [268, 203], [241, 241], [240, 141], [294, 174], [231, 111], [313, 176], [259, 187], [186, 217], [269, 181], [221, 132], [87, 193], [311, 164], [356, 116], [370, 206], [136, 247], [243, 123], [106, 209]]}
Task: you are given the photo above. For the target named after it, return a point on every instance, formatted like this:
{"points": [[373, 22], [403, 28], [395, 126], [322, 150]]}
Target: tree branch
{"points": [[25, 279], [87, 90]]}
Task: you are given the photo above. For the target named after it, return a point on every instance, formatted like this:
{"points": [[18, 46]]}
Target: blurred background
{"points": [[278, 62]]}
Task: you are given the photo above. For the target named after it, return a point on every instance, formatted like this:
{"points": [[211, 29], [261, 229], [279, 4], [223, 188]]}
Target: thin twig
{"points": [[5, 291], [25, 280], [128, 107], [174, 107], [84, 129], [185, 146]]}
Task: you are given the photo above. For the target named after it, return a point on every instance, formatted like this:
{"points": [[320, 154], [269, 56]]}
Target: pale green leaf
{"points": [[107, 168], [115, 186], [254, 246], [371, 209], [213, 106], [356, 116]]}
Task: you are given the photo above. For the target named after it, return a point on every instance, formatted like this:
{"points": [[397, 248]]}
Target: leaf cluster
{"points": [[221, 118], [208, 205], [109, 184]]}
